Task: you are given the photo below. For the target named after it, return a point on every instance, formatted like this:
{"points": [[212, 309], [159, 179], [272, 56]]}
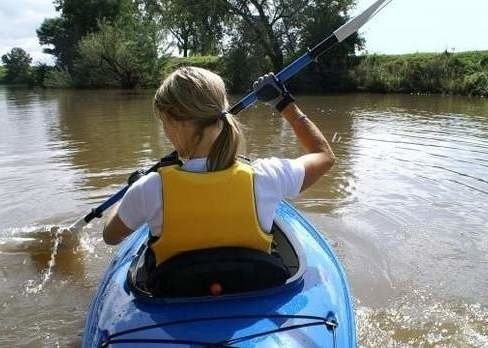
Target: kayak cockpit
{"points": [[311, 309], [217, 271]]}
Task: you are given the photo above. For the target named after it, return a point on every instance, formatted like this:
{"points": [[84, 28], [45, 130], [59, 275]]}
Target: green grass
{"points": [[2, 73], [464, 73]]}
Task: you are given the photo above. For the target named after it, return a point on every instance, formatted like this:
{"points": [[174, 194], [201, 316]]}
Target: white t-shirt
{"points": [[274, 180]]}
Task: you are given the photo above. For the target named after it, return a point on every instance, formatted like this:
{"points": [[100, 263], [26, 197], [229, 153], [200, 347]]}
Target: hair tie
{"points": [[222, 114]]}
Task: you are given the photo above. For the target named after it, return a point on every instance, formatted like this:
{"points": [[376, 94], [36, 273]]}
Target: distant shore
{"points": [[463, 73]]}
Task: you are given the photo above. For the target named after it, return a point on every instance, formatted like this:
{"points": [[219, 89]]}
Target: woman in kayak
{"points": [[213, 200]]}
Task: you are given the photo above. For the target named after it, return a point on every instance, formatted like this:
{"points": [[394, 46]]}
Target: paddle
{"points": [[293, 68]]}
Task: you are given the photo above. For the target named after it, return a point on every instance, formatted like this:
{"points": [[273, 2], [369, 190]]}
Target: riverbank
{"points": [[464, 73]]}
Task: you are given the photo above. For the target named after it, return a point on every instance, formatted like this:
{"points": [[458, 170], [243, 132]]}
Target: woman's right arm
{"points": [[115, 230], [132, 210], [319, 157]]}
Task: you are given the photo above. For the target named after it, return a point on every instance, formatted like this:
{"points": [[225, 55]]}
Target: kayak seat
{"points": [[216, 271]]}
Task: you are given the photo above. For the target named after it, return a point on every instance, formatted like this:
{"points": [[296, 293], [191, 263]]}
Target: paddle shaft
{"points": [[289, 71]]}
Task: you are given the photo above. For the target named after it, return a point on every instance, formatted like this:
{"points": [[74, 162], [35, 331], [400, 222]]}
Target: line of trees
{"points": [[128, 43], [17, 69], [134, 43]]}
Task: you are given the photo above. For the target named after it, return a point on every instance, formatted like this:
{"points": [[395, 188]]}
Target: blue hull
{"points": [[287, 313]]}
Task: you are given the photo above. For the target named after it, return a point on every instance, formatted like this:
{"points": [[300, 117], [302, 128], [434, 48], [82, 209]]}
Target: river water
{"points": [[405, 206]]}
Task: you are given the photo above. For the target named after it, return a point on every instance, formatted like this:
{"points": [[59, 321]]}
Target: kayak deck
{"points": [[313, 308]]}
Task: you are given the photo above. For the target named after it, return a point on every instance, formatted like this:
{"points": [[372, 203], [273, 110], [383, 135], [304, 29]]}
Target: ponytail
{"points": [[224, 149]]}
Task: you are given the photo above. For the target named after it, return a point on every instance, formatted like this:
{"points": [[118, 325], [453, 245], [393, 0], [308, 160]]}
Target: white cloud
{"points": [[19, 20]]}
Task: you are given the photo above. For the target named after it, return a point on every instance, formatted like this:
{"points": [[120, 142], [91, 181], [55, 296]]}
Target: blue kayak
{"points": [[311, 307]]}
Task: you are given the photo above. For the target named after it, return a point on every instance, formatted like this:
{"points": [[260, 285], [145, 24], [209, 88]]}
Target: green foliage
{"points": [[124, 43], [77, 19], [17, 69], [197, 27], [58, 78], [117, 55], [476, 83], [83, 15], [56, 33], [212, 63], [259, 37], [448, 73], [3, 72], [269, 29], [241, 67], [17, 66], [331, 71], [275, 31], [39, 74]]}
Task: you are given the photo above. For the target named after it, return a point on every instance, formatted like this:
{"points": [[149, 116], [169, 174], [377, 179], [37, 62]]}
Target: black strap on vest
{"points": [[168, 160]]}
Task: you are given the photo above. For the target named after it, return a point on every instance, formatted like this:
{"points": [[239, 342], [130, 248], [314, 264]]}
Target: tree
{"points": [[39, 74], [17, 64], [56, 32], [270, 24], [280, 30], [319, 21], [78, 18], [84, 15], [121, 53], [242, 66], [196, 26]]}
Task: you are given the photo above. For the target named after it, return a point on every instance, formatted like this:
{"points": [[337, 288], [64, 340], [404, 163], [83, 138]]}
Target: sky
{"points": [[19, 20], [404, 26], [409, 26]]}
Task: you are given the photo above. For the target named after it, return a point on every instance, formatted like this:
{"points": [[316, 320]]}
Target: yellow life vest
{"points": [[207, 210]]}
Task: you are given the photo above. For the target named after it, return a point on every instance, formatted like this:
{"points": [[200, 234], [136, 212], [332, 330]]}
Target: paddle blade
{"points": [[78, 225], [357, 22]]}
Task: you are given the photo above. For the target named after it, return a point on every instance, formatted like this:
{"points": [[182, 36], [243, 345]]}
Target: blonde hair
{"points": [[199, 96]]}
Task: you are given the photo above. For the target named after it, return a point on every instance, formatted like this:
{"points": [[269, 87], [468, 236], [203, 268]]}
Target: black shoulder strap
{"points": [[167, 160]]}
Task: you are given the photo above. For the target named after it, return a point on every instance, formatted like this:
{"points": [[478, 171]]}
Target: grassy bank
{"points": [[463, 73], [2, 73]]}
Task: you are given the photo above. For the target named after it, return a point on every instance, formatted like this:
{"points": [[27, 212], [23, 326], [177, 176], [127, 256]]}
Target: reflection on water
{"points": [[404, 206]]}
